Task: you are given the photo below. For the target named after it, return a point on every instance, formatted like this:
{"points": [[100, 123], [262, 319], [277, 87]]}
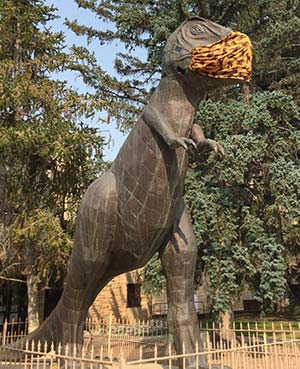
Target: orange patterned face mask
{"points": [[230, 57]]}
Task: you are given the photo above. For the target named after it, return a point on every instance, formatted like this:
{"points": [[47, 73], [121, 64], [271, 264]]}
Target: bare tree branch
{"points": [[12, 279]]}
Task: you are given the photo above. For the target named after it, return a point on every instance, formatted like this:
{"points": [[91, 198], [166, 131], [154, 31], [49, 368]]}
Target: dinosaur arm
{"points": [[205, 144], [197, 134], [154, 119]]}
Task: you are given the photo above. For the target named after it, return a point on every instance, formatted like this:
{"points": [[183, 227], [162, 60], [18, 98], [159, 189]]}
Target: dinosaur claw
{"points": [[183, 142], [218, 149], [192, 143]]}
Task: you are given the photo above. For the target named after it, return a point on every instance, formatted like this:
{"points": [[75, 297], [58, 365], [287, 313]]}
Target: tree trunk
{"points": [[36, 303], [226, 331]]}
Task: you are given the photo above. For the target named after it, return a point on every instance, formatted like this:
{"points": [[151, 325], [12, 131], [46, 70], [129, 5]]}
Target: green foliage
{"points": [[48, 154], [245, 209], [278, 49], [142, 27], [48, 164], [272, 273], [40, 246], [152, 277]]}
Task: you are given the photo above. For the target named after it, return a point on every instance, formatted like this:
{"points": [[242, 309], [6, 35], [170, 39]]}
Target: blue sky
{"points": [[105, 55]]}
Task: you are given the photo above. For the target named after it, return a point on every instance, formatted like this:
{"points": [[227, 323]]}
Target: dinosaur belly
{"points": [[150, 180]]}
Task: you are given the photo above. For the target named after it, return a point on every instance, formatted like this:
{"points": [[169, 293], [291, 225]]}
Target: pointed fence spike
{"points": [[92, 351], [122, 361], [242, 339], [74, 350], [141, 353], [101, 352], [67, 349]]}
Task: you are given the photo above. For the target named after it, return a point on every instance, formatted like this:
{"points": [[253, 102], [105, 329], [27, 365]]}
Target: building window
{"points": [[133, 294]]}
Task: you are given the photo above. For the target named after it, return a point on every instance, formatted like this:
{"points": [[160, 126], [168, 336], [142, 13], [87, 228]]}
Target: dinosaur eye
{"points": [[196, 29]]}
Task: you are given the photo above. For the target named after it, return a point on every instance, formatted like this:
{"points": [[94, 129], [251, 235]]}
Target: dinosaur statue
{"points": [[136, 209]]}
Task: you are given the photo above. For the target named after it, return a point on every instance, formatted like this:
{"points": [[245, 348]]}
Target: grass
{"points": [[272, 328]]}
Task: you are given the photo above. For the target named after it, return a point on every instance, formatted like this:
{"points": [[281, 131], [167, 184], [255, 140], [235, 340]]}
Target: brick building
{"points": [[124, 299]]}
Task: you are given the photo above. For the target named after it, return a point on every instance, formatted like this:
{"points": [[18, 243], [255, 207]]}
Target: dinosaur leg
{"points": [[89, 269], [179, 260]]}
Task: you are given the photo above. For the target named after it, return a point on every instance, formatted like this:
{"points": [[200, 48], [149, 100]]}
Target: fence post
{"points": [[52, 355], [109, 333], [26, 354], [4, 332], [122, 361]]}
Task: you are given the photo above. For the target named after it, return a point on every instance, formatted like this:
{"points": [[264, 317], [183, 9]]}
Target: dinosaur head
{"points": [[203, 53]]}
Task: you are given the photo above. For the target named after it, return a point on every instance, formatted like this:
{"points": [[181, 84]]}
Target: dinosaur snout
{"points": [[230, 57], [212, 50]]}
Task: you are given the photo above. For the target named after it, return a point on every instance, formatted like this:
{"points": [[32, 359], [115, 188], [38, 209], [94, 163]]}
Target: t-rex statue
{"points": [[136, 209]]}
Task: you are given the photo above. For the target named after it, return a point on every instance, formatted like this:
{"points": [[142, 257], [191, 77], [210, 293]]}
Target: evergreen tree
{"points": [[48, 155], [277, 48], [145, 25], [247, 225], [245, 209]]}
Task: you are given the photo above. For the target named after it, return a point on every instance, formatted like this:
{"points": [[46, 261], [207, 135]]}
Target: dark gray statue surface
{"points": [[136, 208]]}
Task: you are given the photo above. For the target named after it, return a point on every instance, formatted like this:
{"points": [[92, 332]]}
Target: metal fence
{"points": [[37, 356], [279, 355], [13, 330], [245, 332], [283, 355], [257, 345], [156, 330], [115, 335], [161, 308]]}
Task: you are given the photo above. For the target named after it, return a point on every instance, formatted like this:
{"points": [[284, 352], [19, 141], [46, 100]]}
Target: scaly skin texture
{"points": [[136, 208]]}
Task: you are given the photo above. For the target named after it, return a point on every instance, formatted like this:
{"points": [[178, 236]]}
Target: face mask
{"points": [[230, 57]]}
